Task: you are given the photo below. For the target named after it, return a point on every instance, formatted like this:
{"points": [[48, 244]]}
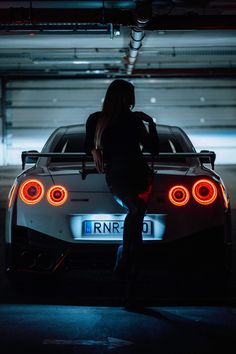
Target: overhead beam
{"points": [[227, 73], [192, 22], [182, 72], [64, 16], [10, 17]]}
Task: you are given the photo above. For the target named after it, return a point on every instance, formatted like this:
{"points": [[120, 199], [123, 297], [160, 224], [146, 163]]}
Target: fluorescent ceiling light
{"points": [[77, 61], [102, 61]]}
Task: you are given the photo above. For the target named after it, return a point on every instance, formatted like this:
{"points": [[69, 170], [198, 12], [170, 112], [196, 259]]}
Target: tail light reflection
{"points": [[11, 195], [226, 200]]}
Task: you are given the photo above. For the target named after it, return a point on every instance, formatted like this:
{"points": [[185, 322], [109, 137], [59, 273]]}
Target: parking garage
{"points": [[57, 59]]}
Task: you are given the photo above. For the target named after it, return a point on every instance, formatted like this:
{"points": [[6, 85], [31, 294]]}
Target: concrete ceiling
{"points": [[91, 38]]}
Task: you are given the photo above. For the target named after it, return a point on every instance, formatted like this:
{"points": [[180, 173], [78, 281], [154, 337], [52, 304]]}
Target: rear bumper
{"points": [[35, 252]]}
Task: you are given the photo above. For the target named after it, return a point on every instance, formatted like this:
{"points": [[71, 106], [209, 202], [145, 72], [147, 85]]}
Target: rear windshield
{"points": [[69, 143], [168, 143]]}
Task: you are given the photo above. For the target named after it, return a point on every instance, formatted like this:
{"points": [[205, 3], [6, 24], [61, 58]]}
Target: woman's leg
{"points": [[132, 246], [128, 255], [133, 226]]}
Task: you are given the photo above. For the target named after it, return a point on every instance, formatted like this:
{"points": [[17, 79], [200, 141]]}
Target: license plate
{"points": [[110, 228]]}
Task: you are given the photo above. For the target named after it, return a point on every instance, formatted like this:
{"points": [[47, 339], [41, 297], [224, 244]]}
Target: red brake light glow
{"points": [[204, 191], [11, 194], [31, 191], [226, 201], [57, 195], [179, 195]]}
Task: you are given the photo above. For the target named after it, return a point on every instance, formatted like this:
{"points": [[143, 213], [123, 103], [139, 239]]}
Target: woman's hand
{"points": [[98, 160], [146, 118]]}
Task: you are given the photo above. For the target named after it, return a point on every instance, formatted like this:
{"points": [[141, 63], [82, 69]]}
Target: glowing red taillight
{"points": [[204, 191], [31, 191], [179, 195], [57, 195]]}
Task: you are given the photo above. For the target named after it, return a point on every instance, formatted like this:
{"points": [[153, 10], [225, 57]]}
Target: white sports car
{"points": [[61, 214]]}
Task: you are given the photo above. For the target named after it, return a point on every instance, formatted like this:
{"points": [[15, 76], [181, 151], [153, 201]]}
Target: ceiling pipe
{"points": [[143, 16]]}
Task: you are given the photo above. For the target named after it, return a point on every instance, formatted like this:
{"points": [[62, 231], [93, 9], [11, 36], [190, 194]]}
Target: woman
{"points": [[114, 137]]}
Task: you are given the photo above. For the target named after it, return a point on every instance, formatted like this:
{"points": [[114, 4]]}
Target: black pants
{"points": [[126, 189], [129, 254]]}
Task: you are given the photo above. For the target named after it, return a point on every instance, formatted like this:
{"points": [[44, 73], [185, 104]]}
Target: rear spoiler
{"points": [[205, 157]]}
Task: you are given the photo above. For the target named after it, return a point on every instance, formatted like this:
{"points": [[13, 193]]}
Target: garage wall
{"points": [[205, 108], [1, 143]]}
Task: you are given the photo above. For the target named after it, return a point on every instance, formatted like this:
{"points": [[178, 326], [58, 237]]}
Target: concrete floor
{"points": [[73, 329], [51, 324]]}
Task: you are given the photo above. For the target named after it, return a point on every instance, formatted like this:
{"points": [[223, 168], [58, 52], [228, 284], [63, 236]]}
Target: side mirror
{"points": [[29, 159]]}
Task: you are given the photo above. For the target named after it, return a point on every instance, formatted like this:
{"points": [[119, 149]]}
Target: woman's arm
{"points": [[98, 160], [89, 143], [149, 140], [90, 132]]}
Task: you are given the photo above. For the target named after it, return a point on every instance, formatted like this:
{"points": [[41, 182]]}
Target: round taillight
{"points": [[31, 191], [179, 195], [57, 195], [204, 191]]}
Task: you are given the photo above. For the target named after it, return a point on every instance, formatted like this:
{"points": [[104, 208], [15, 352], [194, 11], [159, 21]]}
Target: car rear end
{"points": [[62, 216], [58, 220]]}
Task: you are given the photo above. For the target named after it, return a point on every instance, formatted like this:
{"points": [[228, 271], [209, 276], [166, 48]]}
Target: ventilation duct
{"points": [[143, 15]]}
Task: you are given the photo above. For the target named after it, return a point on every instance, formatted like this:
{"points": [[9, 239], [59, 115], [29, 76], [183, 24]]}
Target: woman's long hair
{"points": [[118, 100]]}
